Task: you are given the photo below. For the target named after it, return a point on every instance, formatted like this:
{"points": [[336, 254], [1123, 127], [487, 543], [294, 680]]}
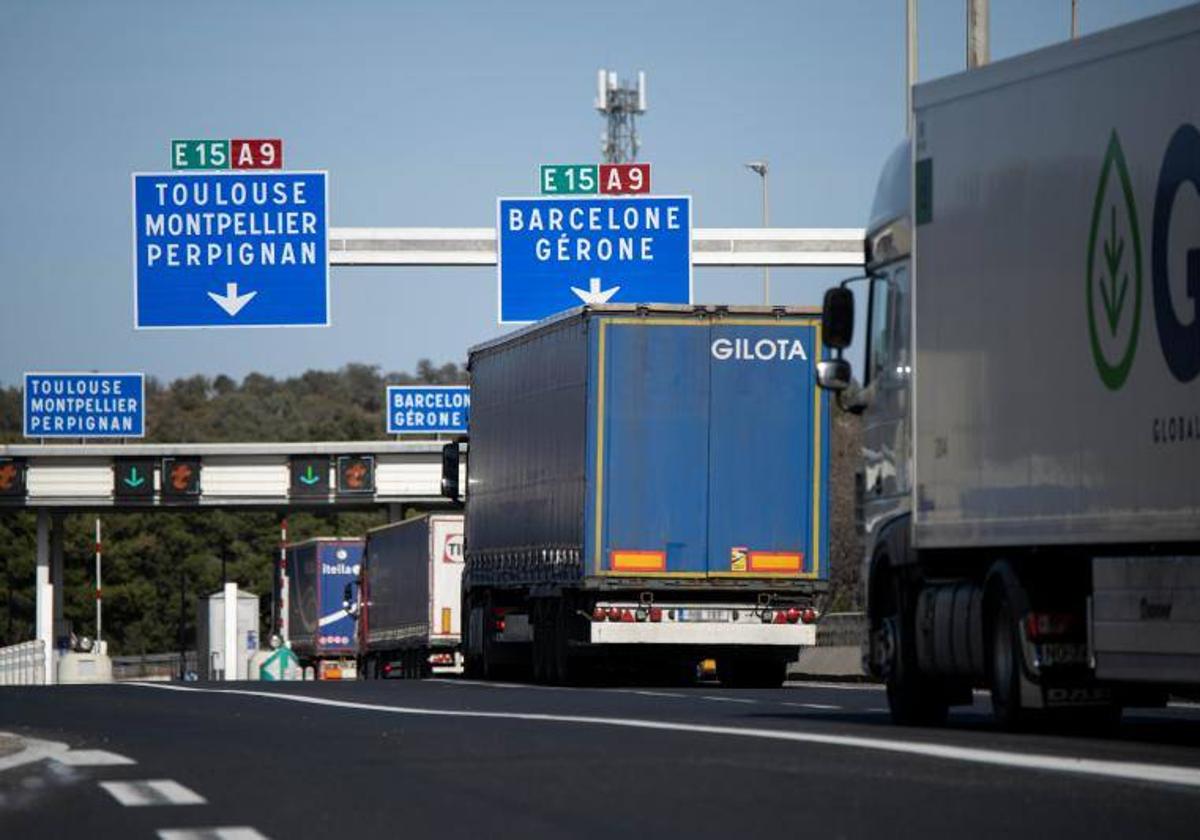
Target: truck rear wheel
{"points": [[1005, 666]]}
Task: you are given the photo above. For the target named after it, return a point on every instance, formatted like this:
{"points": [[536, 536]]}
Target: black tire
{"points": [[561, 666], [472, 662], [913, 699], [540, 649], [1004, 666]]}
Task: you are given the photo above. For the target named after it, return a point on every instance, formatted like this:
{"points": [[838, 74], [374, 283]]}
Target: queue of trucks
{"points": [[648, 485], [649, 489]]}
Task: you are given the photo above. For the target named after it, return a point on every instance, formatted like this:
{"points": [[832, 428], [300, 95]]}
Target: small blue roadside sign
{"points": [[76, 405], [557, 252], [230, 249], [428, 409]]}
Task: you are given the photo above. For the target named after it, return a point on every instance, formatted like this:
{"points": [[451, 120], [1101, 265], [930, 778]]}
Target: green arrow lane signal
{"points": [[310, 477], [133, 479]]}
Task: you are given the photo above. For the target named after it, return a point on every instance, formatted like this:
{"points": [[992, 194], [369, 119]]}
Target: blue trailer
{"points": [[322, 630], [647, 482]]}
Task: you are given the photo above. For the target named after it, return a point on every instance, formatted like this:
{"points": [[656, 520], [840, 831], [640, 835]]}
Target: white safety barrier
{"points": [[23, 664]]}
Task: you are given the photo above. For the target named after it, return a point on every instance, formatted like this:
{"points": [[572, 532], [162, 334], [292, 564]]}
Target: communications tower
{"points": [[620, 105]]}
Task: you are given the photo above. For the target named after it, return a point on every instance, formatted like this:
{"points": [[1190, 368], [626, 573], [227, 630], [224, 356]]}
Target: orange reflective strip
{"points": [[638, 561], [776, 561]]}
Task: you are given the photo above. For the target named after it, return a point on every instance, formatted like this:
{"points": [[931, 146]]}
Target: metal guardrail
{"points": [[23, 664], [152, 666]]}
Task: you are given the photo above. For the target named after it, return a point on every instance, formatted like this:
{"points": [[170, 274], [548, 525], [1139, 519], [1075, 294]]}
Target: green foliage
{"points": [[150, 557]]}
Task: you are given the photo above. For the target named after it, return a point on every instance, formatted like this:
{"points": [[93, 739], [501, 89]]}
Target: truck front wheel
{"points": [[913, 698]]}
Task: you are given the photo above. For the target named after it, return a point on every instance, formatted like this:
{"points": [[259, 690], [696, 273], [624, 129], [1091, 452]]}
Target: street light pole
{"points": [[760, 166]]}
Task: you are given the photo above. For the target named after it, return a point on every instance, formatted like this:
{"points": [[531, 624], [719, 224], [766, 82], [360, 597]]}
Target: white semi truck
{"points": [[1030, 486]]}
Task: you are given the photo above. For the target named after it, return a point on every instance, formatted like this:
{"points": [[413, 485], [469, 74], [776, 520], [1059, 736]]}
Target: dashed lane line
{"points": [[1187, 777], [152, 792], [820, 707], [228, 832], [718, 699]]}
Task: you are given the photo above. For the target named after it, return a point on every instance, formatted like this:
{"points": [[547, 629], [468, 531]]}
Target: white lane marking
{"points": [[92, 758], [1179, 704], [650, 693], [35, 750], [1123, 770], [226, 832], [718, 699], [878, 709], [821, 707], [152, 792], [837, 686]]}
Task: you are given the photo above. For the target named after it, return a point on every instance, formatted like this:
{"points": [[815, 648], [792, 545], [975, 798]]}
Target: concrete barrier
{"points": [[23, 664], [838, 652]]}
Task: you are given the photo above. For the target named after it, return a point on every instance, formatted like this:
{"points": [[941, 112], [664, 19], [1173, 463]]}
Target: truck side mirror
{"points": [[837, 318], [833, 374], [450, 459]]}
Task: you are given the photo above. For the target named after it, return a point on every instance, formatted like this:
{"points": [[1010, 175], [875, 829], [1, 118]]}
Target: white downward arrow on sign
{"points": [[594, 295], [231, 301]]}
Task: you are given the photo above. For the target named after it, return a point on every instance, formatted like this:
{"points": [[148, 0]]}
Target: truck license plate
{"points": [[702, 615]]}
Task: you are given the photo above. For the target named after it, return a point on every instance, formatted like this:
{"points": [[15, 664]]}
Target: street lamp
{"points": [[760, 166]]}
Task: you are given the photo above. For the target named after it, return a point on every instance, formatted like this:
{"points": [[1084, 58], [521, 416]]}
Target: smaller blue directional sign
{"points": [[230, 249], [557, 252], [428, 409], [93, 405]]}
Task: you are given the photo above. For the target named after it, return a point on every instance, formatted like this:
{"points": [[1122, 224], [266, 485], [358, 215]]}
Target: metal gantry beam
{"points": [[711, 247], [233, 475]]}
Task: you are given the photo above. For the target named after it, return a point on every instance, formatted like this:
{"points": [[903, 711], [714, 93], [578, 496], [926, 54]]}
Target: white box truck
{"points": [[1030, 482], [409, 596]]}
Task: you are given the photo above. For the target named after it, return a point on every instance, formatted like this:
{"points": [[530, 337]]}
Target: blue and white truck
{"points": [[322, 630], [646, 485]]}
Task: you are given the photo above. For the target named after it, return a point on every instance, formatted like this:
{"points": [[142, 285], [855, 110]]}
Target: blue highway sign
{"points": [[555, 252], [77, 405], [230, 249], [428, 409]]}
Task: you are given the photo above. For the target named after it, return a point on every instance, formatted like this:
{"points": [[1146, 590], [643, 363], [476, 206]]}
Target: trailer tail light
{"points": [[599, 614], [767, 616], [387, 667], [626, 615], [1050, 625], [498, 622], [614, 613], [793, 615], [441, 659], [780, 617], [656, 614], [809, 615], [642, 614]]}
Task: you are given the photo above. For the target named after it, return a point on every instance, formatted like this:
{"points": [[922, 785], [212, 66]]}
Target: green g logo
{"points": [[1110, 265]]}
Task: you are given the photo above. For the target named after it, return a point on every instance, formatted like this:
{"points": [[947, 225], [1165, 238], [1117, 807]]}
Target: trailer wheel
{"points": [[563, 668], [913, 699]]}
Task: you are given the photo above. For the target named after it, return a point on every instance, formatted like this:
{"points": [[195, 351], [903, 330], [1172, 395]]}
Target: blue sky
{"points": [[423, 113]]}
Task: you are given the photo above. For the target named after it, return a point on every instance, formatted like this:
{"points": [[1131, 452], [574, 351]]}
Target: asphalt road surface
{"points": [[453, 758]]}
